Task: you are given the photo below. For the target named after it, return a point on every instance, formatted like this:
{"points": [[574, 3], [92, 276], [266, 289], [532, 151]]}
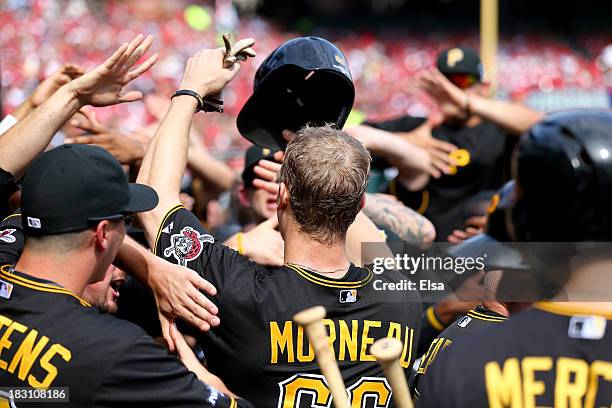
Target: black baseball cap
{"points": [[252, 156], [71, 187], [460, 60], [304, 81]]}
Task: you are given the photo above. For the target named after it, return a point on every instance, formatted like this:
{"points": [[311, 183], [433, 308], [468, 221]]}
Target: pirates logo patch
{"points": [[7, 235], [187, 245]]}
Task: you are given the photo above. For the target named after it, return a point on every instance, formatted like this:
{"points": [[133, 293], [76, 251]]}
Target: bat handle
{"points": [[387, 351], [312, 321]]}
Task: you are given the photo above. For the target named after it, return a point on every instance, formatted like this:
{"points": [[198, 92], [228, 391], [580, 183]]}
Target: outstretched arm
{"points": [[514, 118], [101, 87], [166, 158], [412, 162], [406, 223]]}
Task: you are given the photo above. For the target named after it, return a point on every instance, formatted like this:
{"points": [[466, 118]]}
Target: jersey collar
{"points": [[354, 278], [19, 278]]}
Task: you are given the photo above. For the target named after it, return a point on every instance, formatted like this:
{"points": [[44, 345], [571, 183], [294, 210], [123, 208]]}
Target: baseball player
{"points": [[469, 149], [492, 310], [256, 348], [49, 334], [557, 353]]}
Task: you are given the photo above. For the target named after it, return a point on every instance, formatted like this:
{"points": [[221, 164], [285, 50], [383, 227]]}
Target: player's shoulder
{"points": [[98, 327], [484, 342]]}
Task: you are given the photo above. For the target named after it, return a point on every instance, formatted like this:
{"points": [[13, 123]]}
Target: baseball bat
{"points": [[387, 351], [312, 321]]}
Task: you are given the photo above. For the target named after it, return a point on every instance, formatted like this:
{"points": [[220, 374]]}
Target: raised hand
{"points": [[439, 150], [451, 100], [122, 147], [205, 72], [105, 84], [178, 294], [53, 82]]}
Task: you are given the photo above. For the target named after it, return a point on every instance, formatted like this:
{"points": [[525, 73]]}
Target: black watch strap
{"points": [[193, 94]]}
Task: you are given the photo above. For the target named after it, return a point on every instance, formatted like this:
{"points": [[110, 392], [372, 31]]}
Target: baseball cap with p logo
{"points": [[71, 187]]}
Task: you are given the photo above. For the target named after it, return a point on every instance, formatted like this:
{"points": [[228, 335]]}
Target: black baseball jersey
{"points": [[551, 355], [260, 353], [482, 157], [474, 320], [50, 337]]}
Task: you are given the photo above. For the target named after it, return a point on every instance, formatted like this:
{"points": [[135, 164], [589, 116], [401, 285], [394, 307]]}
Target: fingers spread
{"points": [[130, 97], [113, 59], [130, 50], [139, 52], [142, 68]]}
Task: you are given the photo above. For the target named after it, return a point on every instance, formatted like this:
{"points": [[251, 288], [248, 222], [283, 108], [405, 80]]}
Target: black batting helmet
{"points": [[305, 80]]}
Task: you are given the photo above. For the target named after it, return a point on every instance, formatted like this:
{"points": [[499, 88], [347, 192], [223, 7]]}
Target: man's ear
{"points": [[362, 202], [102, 235], [283, 196], [243, 196]]}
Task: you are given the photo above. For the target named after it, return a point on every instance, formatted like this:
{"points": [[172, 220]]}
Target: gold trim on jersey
{"points": [[233, 403], [171, 211], [433, 320], [571, 310], [424, 202], [314, 278], [5, 273], [12, 215], [489, 318]]}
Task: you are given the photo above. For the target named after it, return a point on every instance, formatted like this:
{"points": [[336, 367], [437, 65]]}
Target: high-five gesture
{"points": [[101, 87], [104, 85], [205, 73]]}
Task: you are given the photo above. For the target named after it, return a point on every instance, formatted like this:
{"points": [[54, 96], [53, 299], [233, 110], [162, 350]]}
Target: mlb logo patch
{"points": [[5, 289], [34, 222], [348, 296], [464, 321], [587, 327]]}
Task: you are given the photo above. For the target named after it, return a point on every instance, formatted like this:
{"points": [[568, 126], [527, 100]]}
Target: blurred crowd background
{"points": [[564, 63]]}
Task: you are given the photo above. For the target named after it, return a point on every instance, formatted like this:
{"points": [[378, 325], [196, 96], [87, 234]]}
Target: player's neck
{"points": [[69, 272], [300, 249], [497, 307]]}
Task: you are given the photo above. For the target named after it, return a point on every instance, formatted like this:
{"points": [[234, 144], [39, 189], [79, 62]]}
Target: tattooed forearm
{"points": [[406, 223]]}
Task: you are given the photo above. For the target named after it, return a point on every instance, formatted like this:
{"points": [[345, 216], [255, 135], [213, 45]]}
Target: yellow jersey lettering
{"points": [[304, 358], [281, 340], [5, 343], [348, 341], [532, 387], [45, 363], [367, 341], [568, 392], [27, 354], [503, 386]]}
